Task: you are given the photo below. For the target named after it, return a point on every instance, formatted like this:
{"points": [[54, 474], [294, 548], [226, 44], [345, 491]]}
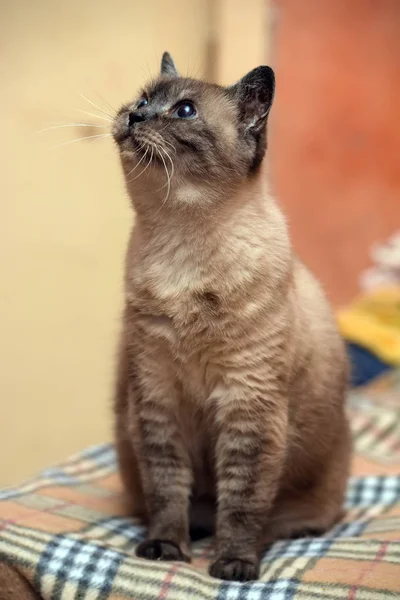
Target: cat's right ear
{"points": [[254, 94], [168, 67]]}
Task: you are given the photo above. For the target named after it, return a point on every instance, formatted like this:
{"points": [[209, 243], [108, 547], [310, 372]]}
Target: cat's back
{"points": [[318, 361], [314, 315]]}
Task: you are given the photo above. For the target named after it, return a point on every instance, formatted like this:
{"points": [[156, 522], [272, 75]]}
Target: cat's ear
{"points": [[254, 94], [168, 66]]}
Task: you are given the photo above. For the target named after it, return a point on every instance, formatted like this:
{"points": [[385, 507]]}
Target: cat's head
{"points": [[192, 132]]}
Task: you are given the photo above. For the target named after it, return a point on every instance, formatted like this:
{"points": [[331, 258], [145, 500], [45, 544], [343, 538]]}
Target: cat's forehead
{"points": [[166, 89]]}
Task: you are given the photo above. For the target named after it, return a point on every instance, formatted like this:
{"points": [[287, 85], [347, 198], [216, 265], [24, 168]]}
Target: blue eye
{"points": [[186, 110], [142, 103]]}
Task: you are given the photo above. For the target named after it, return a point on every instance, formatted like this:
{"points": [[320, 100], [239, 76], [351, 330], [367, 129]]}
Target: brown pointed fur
{"points": [[232, 374]]}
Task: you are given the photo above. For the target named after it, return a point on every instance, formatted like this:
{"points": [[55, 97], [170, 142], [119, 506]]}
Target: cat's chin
{"points": [[133, 150]]}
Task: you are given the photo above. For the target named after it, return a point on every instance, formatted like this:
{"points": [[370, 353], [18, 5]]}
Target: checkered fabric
{"points": [[70, 535]]}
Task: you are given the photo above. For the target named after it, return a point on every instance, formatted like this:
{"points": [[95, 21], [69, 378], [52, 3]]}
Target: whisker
{"points": [[137, 164], [93, 115], [95, 106], [173, 149], [105, 102], [165, 142], [88, 137], [70, 125], [172, 165], [100, 97], [168, 177], [146, 167], [140, 161], [164, 128]]}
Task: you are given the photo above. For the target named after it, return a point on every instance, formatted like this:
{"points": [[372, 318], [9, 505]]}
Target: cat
{"points": [[232, 376]]}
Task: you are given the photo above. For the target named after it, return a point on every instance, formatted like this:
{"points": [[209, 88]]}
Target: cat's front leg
{"points": [[165, 470], [250, 453]]}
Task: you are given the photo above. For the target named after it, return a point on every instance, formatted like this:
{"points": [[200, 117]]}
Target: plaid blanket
{"points": [[68, 532]]}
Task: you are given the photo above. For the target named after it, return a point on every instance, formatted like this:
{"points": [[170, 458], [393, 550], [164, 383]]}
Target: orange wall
{"points": [[336, 131]]}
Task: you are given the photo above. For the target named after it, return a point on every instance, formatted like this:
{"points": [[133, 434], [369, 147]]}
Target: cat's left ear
{"points": [[254, 94], [168, 66]]}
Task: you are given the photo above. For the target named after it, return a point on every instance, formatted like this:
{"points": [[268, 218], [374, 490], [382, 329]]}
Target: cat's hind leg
{"points": [[299, 518], [313, 510]]}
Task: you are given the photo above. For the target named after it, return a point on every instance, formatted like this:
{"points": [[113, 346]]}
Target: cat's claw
{"points": [[234, 569], [161, 550]]}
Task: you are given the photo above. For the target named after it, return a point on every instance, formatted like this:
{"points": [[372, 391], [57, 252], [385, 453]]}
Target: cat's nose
{"points": [[136, 117]]}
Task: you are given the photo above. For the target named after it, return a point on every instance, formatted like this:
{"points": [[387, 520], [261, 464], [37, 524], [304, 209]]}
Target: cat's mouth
{"points": [[142, 142], [149, 148], [140, 137]]}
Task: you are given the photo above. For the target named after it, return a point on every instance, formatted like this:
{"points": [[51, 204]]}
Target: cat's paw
{"points": [[234, 569], [161, 550]]}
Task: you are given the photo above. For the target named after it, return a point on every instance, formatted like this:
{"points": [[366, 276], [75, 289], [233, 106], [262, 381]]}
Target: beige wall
{"points": [[241, 37], [64, 215]]}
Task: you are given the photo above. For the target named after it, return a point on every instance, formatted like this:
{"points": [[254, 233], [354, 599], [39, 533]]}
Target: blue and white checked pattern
{"points": [[122, 532], [93, 463], [372, 490], [67, 560], [282, 589], [98, 560], [90, 565]]}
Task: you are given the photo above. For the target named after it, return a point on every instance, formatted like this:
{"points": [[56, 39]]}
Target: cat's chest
{"points": [[172, 273], [180, 302], [186, 323], [186, 330]]}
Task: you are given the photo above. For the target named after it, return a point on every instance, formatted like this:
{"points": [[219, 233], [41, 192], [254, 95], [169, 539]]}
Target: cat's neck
{"points": [[193, 212], [230, 246]]}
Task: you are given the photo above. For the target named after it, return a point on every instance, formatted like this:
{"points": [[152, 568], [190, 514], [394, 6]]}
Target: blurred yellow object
{"points": [[373, 321]]}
